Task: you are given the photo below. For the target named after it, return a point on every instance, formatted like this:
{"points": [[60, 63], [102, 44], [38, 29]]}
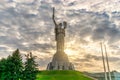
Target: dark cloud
{"points": [[42, 62], [44, 47], [92, 57], [89, 57], [82, 60]]}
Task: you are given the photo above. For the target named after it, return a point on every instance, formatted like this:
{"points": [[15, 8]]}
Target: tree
{"points": [[30, 68], [12, 67], [2, 68], [17, 65]]}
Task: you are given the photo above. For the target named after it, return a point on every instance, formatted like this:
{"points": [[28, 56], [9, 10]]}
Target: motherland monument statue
{"points": [[60, 60]]}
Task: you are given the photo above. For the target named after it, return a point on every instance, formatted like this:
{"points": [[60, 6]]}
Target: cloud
{"points": [[28, 25], [99, 58], [96, 25]]}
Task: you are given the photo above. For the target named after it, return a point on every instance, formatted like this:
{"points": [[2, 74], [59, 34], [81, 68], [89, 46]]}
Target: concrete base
{"points": [[60, 66], [60, 62]]}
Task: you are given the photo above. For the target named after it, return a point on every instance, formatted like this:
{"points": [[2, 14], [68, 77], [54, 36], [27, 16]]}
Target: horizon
{"points": [[27, 25]]}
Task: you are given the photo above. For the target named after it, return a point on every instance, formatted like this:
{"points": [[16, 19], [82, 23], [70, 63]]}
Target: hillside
{"points": [[62, 75]]}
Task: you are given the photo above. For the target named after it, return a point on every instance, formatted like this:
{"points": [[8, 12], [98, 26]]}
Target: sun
{"points": [[69, 51]]}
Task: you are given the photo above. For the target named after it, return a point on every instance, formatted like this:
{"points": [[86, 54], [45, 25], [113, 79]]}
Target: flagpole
{"points": [[103, 62], [107, 63]]}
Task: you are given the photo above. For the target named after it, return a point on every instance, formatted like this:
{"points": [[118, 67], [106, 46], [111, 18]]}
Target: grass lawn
{"points": [[62, 75]]}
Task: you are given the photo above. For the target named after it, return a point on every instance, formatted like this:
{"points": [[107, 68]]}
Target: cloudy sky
{"points": [[27, 25]]}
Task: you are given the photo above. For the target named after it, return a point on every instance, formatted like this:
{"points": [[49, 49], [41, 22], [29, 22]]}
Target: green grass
{"points": [[62, 75]]}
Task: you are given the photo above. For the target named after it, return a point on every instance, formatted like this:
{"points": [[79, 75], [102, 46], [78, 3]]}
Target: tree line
{"points": [[13, 68]]}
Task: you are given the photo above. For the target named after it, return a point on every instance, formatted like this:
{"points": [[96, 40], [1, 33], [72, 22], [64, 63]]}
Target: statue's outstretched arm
{"points": [[53, 17]]}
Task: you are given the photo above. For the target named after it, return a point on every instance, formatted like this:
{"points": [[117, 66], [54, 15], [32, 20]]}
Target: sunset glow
{"points": [[69, 51]]}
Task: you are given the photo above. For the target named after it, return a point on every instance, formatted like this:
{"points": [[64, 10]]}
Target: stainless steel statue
{"points": [[60, 59]]}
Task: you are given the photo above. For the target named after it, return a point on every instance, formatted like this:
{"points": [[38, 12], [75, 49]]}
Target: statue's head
{"points": [[60, 24], [65, 24]]}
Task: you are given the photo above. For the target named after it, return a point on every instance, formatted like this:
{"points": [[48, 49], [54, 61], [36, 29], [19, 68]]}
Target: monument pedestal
{"points": [[60, 62]]}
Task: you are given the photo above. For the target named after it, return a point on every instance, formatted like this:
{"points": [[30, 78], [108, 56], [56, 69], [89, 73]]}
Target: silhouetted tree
{"points": [[17, 65], [12, 67], [30, 71], [2, 68]]}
